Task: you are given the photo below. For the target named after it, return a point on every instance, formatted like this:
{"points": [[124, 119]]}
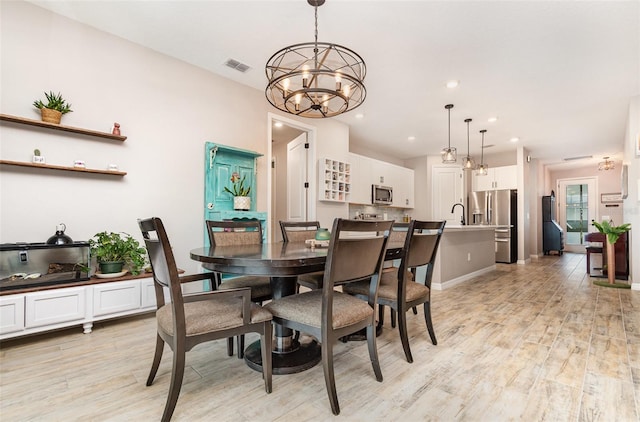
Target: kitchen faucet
{"points": [[462, 220]]}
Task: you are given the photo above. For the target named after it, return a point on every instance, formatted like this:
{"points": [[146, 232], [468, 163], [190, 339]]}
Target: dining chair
{"points": [[188, 320], [239, 232], [398, 290], [300, 231], [328, 314]]}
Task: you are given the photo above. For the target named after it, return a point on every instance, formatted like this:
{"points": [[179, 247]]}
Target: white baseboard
{"points": [[455, 281]]}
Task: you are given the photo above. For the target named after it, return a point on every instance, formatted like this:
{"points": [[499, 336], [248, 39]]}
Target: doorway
{"points": [[577, 199], [291, 152]]}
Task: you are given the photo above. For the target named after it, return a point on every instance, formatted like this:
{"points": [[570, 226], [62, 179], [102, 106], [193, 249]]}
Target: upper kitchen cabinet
{"points": [[505, 177], [366, 172]]}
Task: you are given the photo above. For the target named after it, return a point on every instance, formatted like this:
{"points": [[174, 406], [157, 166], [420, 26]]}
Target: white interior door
{"points": [[577, 200], [297, 179], [447, 189]]}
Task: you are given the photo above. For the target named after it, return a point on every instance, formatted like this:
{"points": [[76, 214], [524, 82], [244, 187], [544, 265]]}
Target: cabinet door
{"points": [[111, 298], [481, 183], [403, 184], [506, 177], [56, 306], [11, 314], [360, 179]]}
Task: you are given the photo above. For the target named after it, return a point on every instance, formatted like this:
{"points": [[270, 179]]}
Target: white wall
{"points": [[168, 109], [632, 203]]}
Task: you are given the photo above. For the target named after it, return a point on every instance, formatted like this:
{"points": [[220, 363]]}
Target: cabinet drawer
{"points": [[52, 307], [117, 297], [11, 314]]}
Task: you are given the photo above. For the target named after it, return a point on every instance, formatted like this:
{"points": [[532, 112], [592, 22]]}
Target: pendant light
{"points": [[483, 169], [468, 163], [449, 155], [315, 79], [606, 164]]}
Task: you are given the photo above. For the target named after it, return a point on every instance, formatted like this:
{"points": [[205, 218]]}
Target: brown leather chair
{"points": [[299, 231], [397, 289], [196, 318], [328, 314], [226, 233]]}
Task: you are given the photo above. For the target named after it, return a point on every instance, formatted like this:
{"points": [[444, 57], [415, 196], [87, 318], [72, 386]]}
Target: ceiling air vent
{"points": [[239, 66]]}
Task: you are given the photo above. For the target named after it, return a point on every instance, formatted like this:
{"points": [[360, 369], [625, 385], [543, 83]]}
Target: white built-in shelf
{"points": [[334, 178]]}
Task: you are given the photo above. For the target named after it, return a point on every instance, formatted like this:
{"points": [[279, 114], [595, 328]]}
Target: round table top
{"points": [[273, 259]]}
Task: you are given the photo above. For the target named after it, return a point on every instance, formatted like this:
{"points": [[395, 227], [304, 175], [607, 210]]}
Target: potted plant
{"points": [[240, 192], [115, 250], [55, 107], [612, 233]]}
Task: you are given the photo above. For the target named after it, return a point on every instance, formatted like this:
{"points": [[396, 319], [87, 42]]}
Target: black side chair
{"points": [[398, 290], [192, 319], [328, 314], [299, 231], [228, 233]]}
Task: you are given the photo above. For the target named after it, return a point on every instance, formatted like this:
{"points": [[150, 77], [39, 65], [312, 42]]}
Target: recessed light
{"points": [[452, 84], [411, 138], [514, 139], [278, 124], [492, 119], [359, 116]]}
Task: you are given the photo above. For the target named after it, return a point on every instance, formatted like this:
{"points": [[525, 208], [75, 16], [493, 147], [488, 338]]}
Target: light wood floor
{"points": [[531, 343]]}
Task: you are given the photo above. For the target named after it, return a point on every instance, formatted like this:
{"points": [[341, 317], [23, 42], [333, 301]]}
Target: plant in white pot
{"points": [[240, 192], [55, 107], [115, 250], [612, 233]]}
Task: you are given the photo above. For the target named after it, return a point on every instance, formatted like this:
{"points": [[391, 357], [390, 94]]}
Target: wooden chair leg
{"points": [[404, 337], [393, 318], [156, 360], [415, 310], [241, 346], [373, 351], [267, 347], [380, 316], [230, 346], [177, 373], [329, 377], [427, 318]]}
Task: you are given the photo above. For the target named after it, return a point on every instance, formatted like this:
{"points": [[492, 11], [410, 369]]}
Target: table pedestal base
{"points": [[298, 358]]}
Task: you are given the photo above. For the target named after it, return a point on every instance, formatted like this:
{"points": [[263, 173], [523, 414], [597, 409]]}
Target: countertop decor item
{"points": [[115, 250], [613, 233], [55, 107], [323, 234], [315, 79]]}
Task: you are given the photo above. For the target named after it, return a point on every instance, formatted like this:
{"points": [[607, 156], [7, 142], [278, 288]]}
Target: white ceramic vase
{"points": [[242, 203]]}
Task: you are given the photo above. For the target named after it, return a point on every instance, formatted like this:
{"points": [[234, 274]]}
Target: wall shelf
{"points": [[65, 168], [72, 129], [334, 180]]}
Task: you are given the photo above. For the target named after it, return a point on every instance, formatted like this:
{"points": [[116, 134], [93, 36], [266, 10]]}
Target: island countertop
{"points": [[473, 227]]}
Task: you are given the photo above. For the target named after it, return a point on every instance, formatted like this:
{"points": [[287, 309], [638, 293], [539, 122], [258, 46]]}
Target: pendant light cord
{"points": [[315, 51], [449, 129]]}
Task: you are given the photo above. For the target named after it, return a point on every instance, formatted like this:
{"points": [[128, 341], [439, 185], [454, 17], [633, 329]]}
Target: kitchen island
{"points": [[464, 252]]}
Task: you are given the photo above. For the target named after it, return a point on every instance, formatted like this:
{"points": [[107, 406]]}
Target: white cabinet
{"points": [[54, 306], [113, 298], [505, 177], [334, 180], [34, 312], [366, 172], [11, 314]]}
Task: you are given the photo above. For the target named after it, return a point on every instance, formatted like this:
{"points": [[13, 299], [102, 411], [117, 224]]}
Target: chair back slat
{"points": [[421, 246], [299, 231], [230, 233]]}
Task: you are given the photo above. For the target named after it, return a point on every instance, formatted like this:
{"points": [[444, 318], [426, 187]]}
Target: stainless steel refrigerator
{"points": [[499, 208]]}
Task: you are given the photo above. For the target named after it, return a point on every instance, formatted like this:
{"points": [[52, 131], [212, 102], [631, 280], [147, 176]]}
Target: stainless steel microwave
{"points": [[381, 195]]}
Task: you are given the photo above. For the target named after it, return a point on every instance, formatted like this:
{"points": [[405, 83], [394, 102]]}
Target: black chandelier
{"points": [[483, 168], [315, 79], [449, 154], [468, 162]]}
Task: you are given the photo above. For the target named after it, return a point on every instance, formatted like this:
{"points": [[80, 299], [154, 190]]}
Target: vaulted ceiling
{"points": [[558, 74]]}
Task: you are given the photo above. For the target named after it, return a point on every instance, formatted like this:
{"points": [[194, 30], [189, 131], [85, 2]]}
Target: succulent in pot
{"points": [[113, 251], [55, 107]]}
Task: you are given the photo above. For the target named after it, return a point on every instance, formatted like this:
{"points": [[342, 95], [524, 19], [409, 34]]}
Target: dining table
{"points": [[283, 262]]}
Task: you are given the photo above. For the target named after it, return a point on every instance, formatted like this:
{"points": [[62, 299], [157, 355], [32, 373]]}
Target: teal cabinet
{"points": [[221, 161]]}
